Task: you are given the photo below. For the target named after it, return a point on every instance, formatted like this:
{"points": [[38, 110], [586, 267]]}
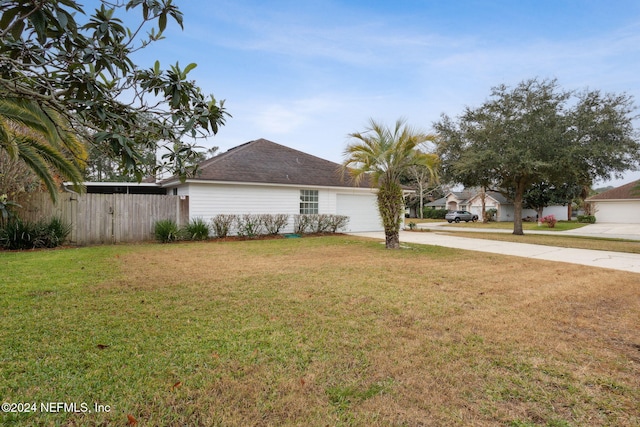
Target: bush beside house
{"points": [[248, 225]]}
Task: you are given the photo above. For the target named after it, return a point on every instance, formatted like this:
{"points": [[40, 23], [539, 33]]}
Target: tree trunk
{"points": [[390, 205], [483, 197], [421, 199], [517, 209], [539, 215], [392, 240]]}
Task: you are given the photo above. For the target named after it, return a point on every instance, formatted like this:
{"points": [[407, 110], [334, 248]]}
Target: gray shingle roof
{"points": [[263, 161]]}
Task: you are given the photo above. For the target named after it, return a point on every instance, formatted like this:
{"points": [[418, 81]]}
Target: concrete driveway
{"points": [[593, 258], [610, 231]]}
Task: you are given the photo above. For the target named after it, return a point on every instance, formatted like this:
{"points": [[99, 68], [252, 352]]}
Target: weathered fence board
{"points": [[107, 218]]}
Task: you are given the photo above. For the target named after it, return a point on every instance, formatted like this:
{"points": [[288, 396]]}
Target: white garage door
{"points": [[362, 211], [618, 212]]}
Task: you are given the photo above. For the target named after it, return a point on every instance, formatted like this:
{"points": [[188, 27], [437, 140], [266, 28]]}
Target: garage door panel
{"points": [[618, 212], [362, 211]]}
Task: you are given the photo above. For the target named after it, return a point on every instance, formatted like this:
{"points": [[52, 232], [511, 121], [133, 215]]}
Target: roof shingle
{"points": [[263, 161], [624, 192]]}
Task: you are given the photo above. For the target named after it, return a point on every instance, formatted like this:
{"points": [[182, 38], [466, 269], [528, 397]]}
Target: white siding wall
{"points": [[560, 212], [208, 200]]}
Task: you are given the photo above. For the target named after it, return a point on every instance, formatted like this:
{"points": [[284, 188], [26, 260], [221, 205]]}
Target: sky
{"points": [[305, 74]]}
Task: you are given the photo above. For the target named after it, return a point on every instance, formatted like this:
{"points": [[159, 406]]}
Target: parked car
{"points": [[458, 216]]}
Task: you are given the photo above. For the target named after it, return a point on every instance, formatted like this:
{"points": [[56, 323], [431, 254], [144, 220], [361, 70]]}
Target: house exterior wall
{"points": [[617, 211], [207, 200], [453, 203]]}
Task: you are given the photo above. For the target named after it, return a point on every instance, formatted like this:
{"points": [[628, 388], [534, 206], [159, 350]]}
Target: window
{"points": [[308, 201]]}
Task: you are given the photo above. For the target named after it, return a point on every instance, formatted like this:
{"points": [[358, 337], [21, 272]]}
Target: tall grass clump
{"points": [[196, 229], [166, 230], [18, 234]]}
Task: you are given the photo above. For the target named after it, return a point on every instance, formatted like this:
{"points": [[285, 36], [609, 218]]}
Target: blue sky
{"points": [[306, 73]]}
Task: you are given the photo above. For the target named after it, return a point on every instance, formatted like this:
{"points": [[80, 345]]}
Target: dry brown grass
{"points": [[487, 340], [339, 331]]}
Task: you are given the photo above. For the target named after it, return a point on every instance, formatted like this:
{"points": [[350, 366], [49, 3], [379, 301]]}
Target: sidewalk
{"points": [[604, 259]]}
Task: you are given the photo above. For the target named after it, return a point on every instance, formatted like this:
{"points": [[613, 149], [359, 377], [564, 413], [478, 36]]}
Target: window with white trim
{"points": [[308, 201]]}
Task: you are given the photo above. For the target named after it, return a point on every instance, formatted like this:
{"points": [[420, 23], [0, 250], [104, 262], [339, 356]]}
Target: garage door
{"points": [[618, 212], [362, 211]]}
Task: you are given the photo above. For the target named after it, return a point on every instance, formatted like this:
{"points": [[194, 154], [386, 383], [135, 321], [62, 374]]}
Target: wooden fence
{"points": [[107, 218]]}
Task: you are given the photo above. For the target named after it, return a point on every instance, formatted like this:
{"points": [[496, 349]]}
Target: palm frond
{"points": [[40, 137]]}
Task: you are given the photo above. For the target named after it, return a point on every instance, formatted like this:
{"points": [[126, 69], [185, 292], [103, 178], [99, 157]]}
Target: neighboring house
{"points": [[471, 201], [620, 204], [440, 203], [262, 177]]}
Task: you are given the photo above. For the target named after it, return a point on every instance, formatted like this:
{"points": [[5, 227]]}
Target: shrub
{"points": [[18, 234], [56, 232], [166, 231], [301, 223], [222, 223], [337, 222], [589, 219], [197, 229], [550, 220], [434, 213], [319, 223], [273, 223], [248, 225], [490, 214]]}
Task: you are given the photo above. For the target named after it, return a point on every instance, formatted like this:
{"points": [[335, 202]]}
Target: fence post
{"points": [[182, 213]]}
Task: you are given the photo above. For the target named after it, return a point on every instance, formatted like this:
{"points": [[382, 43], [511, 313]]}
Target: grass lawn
{"points": [[316, 331]]}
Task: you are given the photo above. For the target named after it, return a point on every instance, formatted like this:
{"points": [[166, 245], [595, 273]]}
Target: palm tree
{"points": [[383, 155], [38, 137]]}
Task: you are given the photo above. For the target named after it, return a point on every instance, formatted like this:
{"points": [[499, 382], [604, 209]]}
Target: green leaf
{"points": [[7, 17], [187, 69], [162, 22], [16, 30]]}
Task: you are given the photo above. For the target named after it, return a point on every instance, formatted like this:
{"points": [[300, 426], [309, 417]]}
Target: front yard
{"points": [[315, 331]]}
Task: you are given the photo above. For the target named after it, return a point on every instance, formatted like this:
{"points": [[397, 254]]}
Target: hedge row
{"points": [[434, 213], [248, 225], [589, 219]]}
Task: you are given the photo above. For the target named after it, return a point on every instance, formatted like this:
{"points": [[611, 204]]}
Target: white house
{"points": [[262, 177], [620, 204]]}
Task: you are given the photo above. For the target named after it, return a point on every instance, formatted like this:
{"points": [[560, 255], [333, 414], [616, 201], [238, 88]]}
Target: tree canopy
{"points": [[536, 132], [383, 155], [63, 61]]}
